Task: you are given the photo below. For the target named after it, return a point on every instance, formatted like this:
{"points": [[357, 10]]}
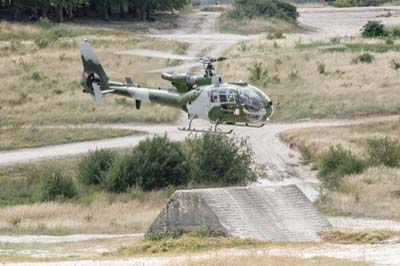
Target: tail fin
{"points": [[94, 78]]}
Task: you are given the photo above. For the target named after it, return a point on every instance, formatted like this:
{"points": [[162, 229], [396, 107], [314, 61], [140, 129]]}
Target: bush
{"points": [[336, 163], [384, 151], [121, 175], [160, 163], [372, 29], [94, 166], [57, 186], [264, 8], [155, 163], [220, 159], [363, 58]]}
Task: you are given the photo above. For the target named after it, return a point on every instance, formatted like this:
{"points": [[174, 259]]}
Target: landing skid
{"points": [[210, 131]]}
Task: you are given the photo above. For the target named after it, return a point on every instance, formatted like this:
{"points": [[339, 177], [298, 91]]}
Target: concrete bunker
{"points": [[281, 213]]}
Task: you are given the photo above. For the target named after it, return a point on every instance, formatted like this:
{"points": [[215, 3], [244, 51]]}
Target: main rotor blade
{"points": [[176, 68], [157, 54]]}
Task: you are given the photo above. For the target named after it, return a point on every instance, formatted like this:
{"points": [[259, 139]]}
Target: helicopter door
{"points": [[229, 101]]}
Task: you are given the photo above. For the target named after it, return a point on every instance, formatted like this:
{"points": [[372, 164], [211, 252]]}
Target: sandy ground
{"points": [[278, 163]]}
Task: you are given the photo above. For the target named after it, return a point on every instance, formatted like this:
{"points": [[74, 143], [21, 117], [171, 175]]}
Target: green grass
{"points": [[356, 237], [350, 47], [189, 242], [31, 137]]}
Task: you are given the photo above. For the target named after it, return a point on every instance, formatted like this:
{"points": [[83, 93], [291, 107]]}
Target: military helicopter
{"points": [[204, 96]]}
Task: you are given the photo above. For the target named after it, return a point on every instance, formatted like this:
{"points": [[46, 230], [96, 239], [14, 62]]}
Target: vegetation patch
{"points": [[189, 242], [356, 237], [249, 17], [350, 47], [361, 183]]}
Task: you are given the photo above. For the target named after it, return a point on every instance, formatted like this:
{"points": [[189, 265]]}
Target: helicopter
{"points": [[204, 96]]}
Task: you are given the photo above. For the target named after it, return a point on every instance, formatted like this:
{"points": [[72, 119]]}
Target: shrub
{"points": [[384, 151], [160, 163], [94, 166], [336, 163], [372, 29], [264, 8], [389, 41], [395, 64], [57, 186], [220, 159], [257, 72], [121, 175], [155, 163], [364, 58], [321, 68]]}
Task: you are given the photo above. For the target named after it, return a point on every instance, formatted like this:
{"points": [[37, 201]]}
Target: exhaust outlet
{"points": [[166, 76]]}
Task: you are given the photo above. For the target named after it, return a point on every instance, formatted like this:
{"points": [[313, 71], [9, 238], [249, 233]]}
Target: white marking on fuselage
{"points": [[141, 94]]}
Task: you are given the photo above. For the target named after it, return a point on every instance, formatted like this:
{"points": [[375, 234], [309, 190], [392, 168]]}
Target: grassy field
{"points": [[373, 193], [40, 85], [262, 260], [308, 83], [30, 137], [93, 212]]}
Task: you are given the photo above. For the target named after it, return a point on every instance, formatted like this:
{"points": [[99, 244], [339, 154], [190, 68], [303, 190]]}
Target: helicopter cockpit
{"points": [[256, 105]]}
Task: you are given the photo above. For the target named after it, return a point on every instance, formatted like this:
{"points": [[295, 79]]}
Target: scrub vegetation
{"points": [[298, 92], [359, 167], [71, 191], [356, 237], [249, 17]]}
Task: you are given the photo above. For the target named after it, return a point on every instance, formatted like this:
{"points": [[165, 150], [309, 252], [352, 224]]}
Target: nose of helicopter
{"points": [[269, 109]]}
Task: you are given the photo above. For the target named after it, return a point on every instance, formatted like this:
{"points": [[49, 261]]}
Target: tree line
{"points": [[69, 9]]}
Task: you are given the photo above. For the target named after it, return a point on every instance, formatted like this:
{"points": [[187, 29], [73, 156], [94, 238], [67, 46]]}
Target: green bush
{"points": [[384, 151], [160, 163], [336, 163], [373, 29], [121, 175], [220, 159], [365, 58], [154, 164], [94, 166], [57, 186], [264, 8]]}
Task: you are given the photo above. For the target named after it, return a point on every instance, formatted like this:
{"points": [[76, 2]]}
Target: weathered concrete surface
{"points": [[272, 213]]}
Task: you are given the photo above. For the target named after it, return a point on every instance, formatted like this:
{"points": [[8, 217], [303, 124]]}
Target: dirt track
{"points": [[280, 163]]}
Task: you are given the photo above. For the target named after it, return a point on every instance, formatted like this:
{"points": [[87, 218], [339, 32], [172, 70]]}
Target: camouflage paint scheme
{"points": [[202, 97]]}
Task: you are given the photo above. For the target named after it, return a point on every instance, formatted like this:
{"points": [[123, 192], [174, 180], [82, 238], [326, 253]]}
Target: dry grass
{"points": [[30, 137], [41, 86], [292, 78], [373, 194], [356, 237], [354, 138], [99, 213], [267, 260]]}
